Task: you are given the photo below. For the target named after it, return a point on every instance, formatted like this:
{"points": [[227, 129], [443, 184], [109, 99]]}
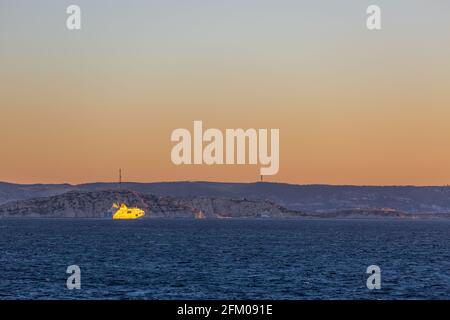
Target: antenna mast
{"points": [[120, 178]]}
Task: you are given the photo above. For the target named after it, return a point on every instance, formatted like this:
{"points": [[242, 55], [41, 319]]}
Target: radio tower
{"points": [[120, 178]]}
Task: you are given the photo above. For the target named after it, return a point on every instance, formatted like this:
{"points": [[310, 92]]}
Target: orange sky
{"points": [[352, 106]]}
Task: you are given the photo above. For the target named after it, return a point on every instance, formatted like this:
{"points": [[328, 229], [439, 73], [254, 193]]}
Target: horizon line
{"points": [[224, 182]]}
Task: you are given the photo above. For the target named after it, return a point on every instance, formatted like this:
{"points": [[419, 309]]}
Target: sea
{"points": [[224, 259]]}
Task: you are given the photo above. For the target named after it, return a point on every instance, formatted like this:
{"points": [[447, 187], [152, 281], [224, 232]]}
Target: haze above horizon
{"points": [[353, 107]]}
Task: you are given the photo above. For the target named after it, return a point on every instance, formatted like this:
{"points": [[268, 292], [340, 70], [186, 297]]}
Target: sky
{"points": [[353, 106]]}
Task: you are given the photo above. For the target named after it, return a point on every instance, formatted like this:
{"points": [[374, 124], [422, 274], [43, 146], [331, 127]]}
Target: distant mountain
{"points": [[96, 204], [11, 191], [307, 198]]}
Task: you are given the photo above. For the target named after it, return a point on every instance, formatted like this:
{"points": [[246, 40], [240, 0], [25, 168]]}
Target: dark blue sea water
{"points": [[224, 259]]}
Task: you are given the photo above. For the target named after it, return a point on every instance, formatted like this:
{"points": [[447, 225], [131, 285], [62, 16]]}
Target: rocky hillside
{"points": [[95, 204], [309, 198]]}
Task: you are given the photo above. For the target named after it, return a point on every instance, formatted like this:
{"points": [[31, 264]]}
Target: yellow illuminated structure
{"points": [[124, 212]]}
